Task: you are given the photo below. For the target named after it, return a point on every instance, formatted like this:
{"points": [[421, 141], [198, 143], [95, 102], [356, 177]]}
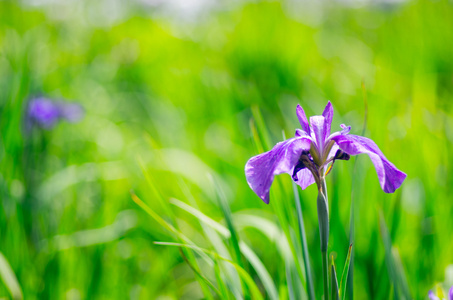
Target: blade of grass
{"points": [[9, 278], [388, 251], [233, 280], [201, 217], [303, 240], [223, 289], [261, 270], [256, 138], [179, 235], [402, 279], [267, 228], [205, 280], [234, 239], [344, 275], [255, 292], [289, 280], [283, 221], [334, 282], [223, 203], [165, 205], [248, 253], [350, 280], [166, 225], [155, 192], [262, 132], [395, 269]]}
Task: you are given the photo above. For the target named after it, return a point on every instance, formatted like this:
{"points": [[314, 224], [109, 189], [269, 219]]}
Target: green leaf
{"points": [[262, 130], [167, 226], [350, 278], [180, 236], [255, 292], [303, 240], [223, 203], [248, 253], [9, 278], [223, 289], [197, 273], [344, 275], [394, 265], [334, 283]]}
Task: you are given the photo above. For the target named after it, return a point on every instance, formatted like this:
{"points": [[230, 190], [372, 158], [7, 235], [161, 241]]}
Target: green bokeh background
{"points": [[170, 93]]}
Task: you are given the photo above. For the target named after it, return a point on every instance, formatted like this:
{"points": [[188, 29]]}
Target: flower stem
{"points": [[323, 219], [325, 274]]}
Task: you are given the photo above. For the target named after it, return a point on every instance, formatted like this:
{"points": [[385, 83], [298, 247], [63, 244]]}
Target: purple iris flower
{"points": [[314, 148], [45, 113]]}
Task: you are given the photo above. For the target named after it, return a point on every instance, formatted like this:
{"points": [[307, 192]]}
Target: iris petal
{"points": [[345, 129], [389, 176], [302, 119], [260, 169], [305, 178], [328, 116], [318, 126]]}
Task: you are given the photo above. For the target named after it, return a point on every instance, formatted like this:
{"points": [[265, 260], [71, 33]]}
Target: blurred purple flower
{"points": [[45, 113], [432, 296], [313, 148]]}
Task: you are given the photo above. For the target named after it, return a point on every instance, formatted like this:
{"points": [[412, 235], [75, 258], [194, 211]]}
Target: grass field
{"points": [[175, 103]]}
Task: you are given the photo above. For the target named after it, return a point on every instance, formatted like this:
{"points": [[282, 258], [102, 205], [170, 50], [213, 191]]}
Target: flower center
{"points": [[311, 160]]}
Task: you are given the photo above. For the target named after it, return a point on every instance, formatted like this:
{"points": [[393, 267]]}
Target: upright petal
{"points": [[328, 116], [260, 169], [389, 176], [318, 127], [303, 119]]}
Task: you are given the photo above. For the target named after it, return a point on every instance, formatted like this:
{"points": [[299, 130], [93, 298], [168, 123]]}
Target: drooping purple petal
{"points": [[302, 119], [318, 127], [328, 116], [450, 293], [304, 178], [261, 169], [389, 176]]}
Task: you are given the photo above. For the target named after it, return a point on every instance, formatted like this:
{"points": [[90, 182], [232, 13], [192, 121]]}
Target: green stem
{"points": [[324, 190], [325, 274], [323, 219]]}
